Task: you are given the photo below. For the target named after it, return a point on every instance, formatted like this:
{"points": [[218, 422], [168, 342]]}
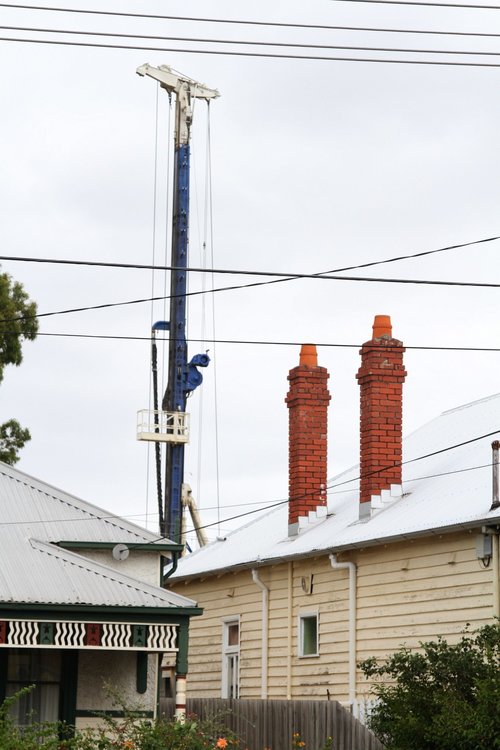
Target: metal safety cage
{"points": [[163, 426]]}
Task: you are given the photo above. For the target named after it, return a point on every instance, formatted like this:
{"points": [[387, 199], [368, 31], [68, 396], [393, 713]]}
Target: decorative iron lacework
{"points": [[109, 636]]}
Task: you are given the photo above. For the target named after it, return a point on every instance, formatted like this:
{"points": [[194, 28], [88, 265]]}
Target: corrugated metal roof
{"points": [[34, 517], [49, 513], [36, 572], [442, 492]]}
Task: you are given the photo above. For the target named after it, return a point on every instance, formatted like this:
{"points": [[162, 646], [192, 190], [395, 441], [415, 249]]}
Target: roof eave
{"points": [[149, 546], [106, 612], [266, 561]]}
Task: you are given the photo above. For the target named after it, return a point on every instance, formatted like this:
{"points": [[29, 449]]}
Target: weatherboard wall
{"points": [[406, 592]]}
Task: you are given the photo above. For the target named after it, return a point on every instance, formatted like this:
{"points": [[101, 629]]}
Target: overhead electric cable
{"points": [[230, 21], [367, 279], [268, 343], [270, 24], [241, 42], [263, 55], [148, 267]]}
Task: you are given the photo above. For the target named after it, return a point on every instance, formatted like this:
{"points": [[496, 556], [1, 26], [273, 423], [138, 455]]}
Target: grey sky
{"points": [[315, 165]]}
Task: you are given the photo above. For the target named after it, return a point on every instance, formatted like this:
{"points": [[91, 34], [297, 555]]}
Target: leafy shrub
{"points": [[443, 697]]}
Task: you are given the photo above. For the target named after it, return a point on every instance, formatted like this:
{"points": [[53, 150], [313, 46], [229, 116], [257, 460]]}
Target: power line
{"points": [[262, 55], [281, 276], [105, 305], [367, 279], [254, 342], [154, 267], [267, 24], [242, 42], [246, 22]]}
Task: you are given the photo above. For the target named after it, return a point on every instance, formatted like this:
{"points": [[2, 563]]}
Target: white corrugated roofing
{"points": [[46, 574], [448, 490], [49, 513], [33, 517]]}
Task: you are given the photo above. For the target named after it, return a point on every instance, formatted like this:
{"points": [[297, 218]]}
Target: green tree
{"points": [[17, 322], [443, 697]]}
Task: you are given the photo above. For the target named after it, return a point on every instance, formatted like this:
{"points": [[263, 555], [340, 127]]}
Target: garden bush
{"points": [[442, 697]]}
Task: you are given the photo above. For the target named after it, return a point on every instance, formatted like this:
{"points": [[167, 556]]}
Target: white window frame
{"points": [[230, 655], [300, 634]]}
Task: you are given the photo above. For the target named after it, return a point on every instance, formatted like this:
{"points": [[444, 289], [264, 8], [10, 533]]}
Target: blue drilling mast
{"points": [[170, 425]]}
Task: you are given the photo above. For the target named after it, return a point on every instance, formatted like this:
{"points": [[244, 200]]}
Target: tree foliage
{"points": [[17, 322], [443, 697], [13, 437]]}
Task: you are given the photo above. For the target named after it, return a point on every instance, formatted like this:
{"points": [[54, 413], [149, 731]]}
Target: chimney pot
{"points": [[382, 326], [308, 355]]}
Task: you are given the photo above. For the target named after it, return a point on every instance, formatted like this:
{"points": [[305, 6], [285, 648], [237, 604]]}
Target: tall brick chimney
{"points": [[307, 401], [381, 377]]}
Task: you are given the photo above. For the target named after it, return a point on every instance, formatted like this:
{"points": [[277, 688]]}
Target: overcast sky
{"points": [[315, 165]]}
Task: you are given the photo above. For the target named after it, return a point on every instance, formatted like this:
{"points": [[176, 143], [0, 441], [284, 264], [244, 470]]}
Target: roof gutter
{"points": [[362, 544]]}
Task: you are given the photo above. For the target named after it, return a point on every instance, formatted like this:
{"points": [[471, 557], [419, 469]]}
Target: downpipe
{"points": [[265, 631], [351, 567]]}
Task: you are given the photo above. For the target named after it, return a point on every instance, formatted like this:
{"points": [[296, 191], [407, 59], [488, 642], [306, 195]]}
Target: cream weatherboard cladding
{"points": [[406, 592]]}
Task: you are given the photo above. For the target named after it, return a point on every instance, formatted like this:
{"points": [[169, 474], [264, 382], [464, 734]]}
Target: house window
{"points": [[308, 634], [230, 658], [41, 668]]}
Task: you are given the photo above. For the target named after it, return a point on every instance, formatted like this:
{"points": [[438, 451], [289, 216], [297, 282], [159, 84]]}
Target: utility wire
{"points": [[271, 24], [149, 267], [263, 55], [269, 343], [282, 276], [107, 305], [241, 42]]}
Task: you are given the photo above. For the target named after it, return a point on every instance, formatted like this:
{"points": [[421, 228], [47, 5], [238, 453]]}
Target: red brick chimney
{"points": [[307, 400], [381, 377]]}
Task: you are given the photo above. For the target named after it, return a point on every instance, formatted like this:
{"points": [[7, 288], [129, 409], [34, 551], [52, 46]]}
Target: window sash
{"points": [[308, 635]]}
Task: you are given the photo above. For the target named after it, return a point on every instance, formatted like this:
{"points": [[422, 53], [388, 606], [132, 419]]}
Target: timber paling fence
{"points": [[270, 724]]}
